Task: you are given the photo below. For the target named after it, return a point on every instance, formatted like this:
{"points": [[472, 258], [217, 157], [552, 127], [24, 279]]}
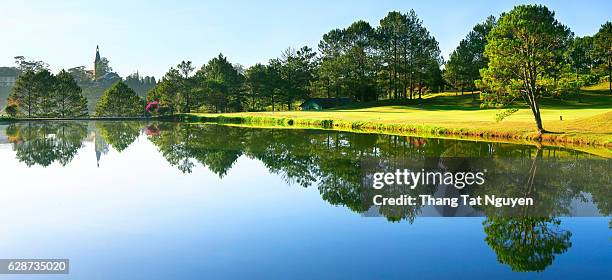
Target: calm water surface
{"points": [[131, 200]]}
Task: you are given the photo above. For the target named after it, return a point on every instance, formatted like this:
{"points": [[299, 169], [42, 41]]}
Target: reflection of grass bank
{"points": [[284, 123], [6, 119], [598, 150], [585, 121]]}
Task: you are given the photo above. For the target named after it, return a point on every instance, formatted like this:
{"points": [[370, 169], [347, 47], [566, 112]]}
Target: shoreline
{"points": [[584, 144], [13, 120], [573, 142]]}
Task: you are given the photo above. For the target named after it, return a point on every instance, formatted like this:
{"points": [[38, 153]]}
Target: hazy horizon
{"points": [[152, 36]]}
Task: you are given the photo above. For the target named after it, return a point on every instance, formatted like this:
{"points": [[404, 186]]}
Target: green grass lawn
{"points": [[456, 111], [587, 119]]}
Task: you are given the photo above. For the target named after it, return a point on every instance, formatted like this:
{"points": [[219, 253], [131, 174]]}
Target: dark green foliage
{"points": [[349, 63], [528, 243], [38, 93], [217, 86], [119, 134], [297, 71], [119, 101], [67, 98], [360, 62], [603, 49], [408, 55], [34, 146], [580, 55], [11, 110], [220, 86], [167, 91], [263, 84], [525, 51], [463, 67], [32, 93]]}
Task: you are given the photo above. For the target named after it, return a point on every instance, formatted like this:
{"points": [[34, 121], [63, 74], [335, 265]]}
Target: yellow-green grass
{"points": [[587, 120], [602, 87]]}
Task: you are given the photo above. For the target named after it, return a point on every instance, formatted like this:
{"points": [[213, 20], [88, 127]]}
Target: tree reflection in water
{"points": [[336, 163], [43, 143], [119, 135], [333, 161], [526, 243]]}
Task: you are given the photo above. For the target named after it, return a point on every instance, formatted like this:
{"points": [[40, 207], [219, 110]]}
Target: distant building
{"points": [[100, 146], [96, 63], [318, 104], [100, 77], [8, 76]]}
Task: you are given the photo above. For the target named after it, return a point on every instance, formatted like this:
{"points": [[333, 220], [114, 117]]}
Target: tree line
{"points": [[38, 93], [398, 59], [523, 55]]}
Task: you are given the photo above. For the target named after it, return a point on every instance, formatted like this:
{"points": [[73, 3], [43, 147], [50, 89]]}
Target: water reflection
{"points": [[336, 163], [45, 143], [528, 243]]}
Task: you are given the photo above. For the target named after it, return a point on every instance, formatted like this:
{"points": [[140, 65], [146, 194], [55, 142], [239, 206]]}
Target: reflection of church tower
{"points": [[100, 146], [96, 63]]}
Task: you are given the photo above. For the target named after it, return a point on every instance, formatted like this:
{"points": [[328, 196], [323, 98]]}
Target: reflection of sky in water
{"points": [[137, 217]]}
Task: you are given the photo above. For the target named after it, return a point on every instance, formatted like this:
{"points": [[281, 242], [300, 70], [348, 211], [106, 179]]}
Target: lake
{"points": [[163, 200]]}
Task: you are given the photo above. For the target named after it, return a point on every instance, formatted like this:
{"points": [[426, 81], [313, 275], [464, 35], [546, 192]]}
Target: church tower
{"points": [[96, 62]]}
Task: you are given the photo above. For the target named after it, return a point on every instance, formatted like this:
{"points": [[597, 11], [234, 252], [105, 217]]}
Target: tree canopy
{"points": [[39, 93], [67, 98], [603, 48], [119, 101], [524, 49], [465, 62]]}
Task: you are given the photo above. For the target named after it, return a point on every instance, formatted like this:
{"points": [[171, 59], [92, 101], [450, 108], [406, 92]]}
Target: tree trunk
{"points": [[253, 105], [29, 105], [538, 121], [535, 109], [411, 83], [187, 109], [610, 75]]}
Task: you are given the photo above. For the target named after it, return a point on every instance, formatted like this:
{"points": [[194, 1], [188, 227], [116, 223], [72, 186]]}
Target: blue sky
{"points": [[150, 36]]}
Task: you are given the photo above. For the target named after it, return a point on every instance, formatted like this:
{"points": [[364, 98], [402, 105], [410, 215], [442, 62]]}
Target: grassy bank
{"points": [[6, 119], [585, 121]]}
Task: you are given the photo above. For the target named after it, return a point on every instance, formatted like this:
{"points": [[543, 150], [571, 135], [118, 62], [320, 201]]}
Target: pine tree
{"points": [[119, 101], [67, 99]]}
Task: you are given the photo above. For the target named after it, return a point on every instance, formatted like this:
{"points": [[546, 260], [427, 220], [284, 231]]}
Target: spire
{"points": [[96, 61], [100, 146], [97, 54]]}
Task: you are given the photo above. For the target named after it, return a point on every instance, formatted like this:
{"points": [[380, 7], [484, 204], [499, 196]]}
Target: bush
{"points": [[589, 79], [11, 110]]}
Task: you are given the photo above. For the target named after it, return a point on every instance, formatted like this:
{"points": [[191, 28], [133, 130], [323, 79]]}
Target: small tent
{"points": [[318, 104]]}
